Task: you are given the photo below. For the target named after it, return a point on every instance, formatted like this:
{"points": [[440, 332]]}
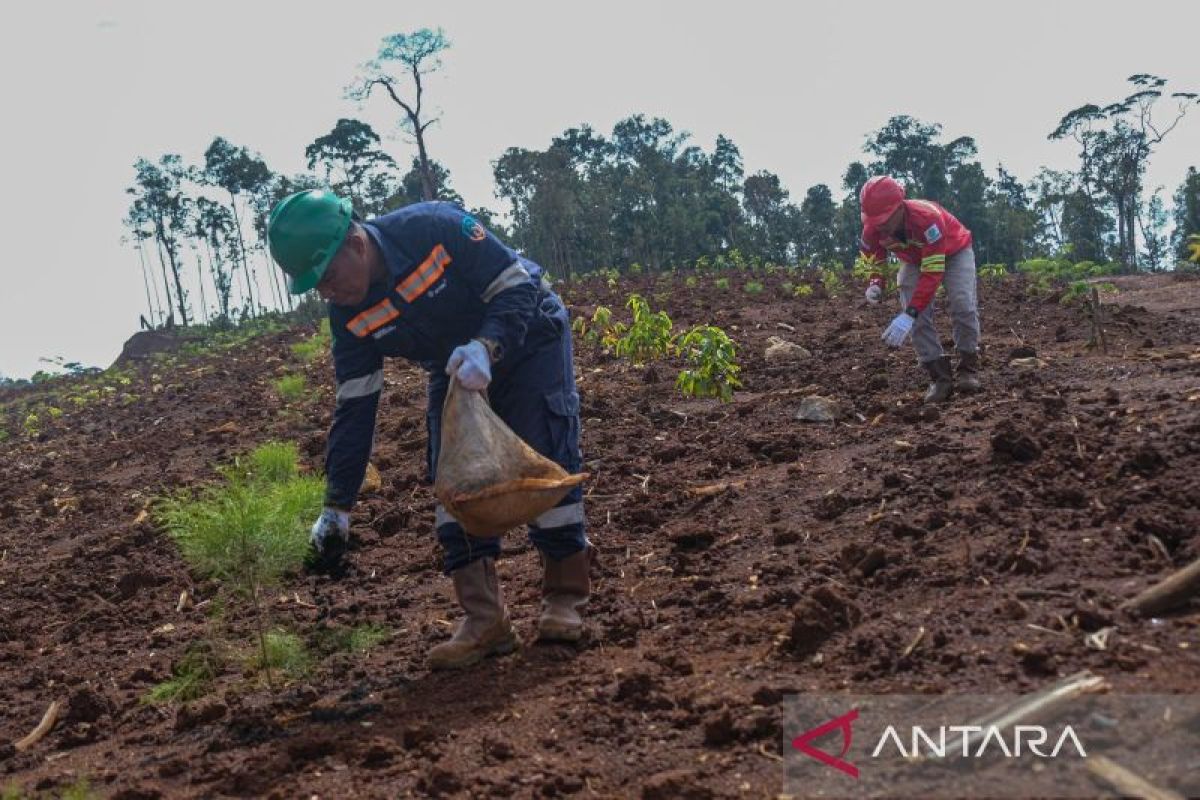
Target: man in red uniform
{"points": [[933, 247]]}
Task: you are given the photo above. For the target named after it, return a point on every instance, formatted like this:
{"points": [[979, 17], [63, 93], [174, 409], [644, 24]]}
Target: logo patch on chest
{"points": [[472, 229], [932, 234]]}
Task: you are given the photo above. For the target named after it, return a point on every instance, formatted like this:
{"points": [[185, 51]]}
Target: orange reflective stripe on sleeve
{"points": [[372, 319], [425, 275]]}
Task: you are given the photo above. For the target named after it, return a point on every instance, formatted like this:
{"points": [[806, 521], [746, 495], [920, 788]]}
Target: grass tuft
{"points": [[290, 387], [192, 677], [284, 652]]}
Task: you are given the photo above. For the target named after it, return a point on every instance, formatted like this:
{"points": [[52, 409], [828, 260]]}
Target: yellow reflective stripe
{"points": [[934, 263], [425, 275], [373, 318]]}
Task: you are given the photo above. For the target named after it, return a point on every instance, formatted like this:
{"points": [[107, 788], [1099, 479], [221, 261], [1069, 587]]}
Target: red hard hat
{"points": [[880, 197]]}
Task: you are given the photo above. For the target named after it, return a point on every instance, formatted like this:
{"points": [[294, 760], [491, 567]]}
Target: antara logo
{"points": [[976, 739], [842, 723], [969, 741]]}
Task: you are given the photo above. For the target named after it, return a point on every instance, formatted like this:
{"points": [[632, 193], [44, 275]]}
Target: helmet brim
{"points": [[305, 282], [875, 220]]}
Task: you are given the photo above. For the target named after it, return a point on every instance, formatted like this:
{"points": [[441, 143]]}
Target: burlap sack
{"points": [[487, 477]]}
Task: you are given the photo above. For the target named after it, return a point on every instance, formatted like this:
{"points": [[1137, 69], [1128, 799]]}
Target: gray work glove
{"points": [[471, 364]]}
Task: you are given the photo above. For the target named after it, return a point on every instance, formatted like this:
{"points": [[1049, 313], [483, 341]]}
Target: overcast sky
{"points": [[88, 87]]}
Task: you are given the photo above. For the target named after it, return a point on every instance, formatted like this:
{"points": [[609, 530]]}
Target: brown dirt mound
{"points": [[743, 555]]}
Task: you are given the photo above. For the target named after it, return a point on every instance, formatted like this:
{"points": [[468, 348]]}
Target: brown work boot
{"points": [[565, 590], [967, 379], [943, 380], [486, 629]]}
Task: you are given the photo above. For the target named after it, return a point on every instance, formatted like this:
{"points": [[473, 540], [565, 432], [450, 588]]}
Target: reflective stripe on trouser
{"points": [[959, 283], [535, 396]]}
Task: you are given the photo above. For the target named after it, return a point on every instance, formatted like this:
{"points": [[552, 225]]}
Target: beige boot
{"points": [[565, 590], [967, 379], [486, 629], [943, 380]]}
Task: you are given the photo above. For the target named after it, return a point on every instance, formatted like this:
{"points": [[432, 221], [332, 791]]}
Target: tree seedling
{"points": [[249, 531], [712, 371], [649, 337]]}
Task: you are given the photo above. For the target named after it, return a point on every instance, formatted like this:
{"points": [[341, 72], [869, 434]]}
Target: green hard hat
{"points": [[304, 232]]}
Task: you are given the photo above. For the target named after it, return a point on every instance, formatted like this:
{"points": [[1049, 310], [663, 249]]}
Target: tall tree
{"points": [[403, 57], [772, 219], [264, 199], [1086, 227], [1116, 142], [1050, 189], [909, 151], [160, 206], [728, 173], [1187, 213], [238, 172], [1156, 250], [847, 219], [1012, 221], [967, 199], [153, 313], [411, 188], [214, 226], [645, 195], [817, 212], [354, 165]]}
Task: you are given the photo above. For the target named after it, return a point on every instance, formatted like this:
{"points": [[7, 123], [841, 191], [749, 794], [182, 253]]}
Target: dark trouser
{"points": [[533, 391]]}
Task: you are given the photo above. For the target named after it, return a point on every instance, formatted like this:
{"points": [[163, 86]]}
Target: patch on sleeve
{"points": [[932, 234], [472, 229]]}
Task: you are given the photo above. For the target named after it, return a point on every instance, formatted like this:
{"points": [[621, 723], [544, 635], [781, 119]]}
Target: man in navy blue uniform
{"points": [[430, 284]]}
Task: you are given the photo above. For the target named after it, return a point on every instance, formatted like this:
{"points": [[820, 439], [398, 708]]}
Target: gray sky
{"points": [[89, 87]]}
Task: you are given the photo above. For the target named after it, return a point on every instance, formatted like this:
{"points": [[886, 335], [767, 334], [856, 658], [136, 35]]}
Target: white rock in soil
{"points": [[816, 408], [781, 351], [1027, 363]]}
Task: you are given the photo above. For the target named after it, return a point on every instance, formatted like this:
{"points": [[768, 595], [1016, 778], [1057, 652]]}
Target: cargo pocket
{"points": [[562, 421]]}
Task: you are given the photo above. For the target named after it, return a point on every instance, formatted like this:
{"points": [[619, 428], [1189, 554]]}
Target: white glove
{"points": [[330, 532], [898, 330], [471, 365], [874, 293]]}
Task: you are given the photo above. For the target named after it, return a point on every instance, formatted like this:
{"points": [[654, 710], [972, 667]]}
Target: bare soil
{"points": [[743, 555]]}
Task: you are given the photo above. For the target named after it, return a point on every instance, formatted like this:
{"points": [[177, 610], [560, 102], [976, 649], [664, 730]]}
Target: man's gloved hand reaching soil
{"points": [[898, 331], [329, 538]]}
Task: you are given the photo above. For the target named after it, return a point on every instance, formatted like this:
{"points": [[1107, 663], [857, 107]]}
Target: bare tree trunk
{"points": [[200, 280], [214, 269], [237, 226], [1131, 221], [284, 293], [427, 192], [162, 262], [148, 281], [413, 114], [180, 299]]}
